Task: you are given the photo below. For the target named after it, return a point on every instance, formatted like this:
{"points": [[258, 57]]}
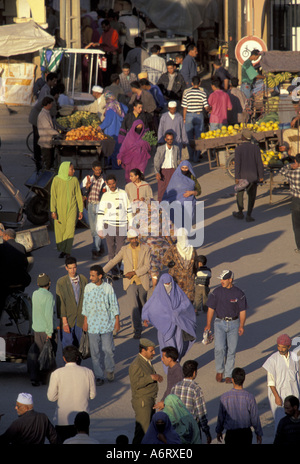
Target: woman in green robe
{"points": [[66, 201], [182, 420]]}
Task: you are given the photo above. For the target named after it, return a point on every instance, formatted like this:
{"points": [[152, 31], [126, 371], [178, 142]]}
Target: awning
{"points": [[21, 38], [280, 61], [181, 17]]}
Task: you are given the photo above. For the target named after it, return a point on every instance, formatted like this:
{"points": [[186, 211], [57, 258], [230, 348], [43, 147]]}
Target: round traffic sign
{"points": [[245, 46]]}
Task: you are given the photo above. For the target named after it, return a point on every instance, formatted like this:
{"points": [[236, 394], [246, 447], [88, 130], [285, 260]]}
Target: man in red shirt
{"points": [[109, 43], [220, 103]]}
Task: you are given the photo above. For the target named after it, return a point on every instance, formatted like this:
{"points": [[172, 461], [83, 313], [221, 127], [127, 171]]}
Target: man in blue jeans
{"points": [[101, 312], [229, 304], [194, 102], [92, 189]]}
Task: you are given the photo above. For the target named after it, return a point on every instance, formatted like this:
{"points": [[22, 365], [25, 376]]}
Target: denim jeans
{"points": [[72, 338], [92, 215], [194, 125], [246, 89], [108, 347], [215, 125], [226, 340]]}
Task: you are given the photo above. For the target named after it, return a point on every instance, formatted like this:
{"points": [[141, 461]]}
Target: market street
{"points": [[261, 255]]}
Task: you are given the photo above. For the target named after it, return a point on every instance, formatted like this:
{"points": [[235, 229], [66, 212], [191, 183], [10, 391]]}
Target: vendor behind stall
{"points": [[250, 74], [97, 106]]}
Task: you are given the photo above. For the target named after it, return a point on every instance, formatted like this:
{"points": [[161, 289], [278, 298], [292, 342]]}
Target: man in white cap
{"points": [[98, 105], [31, 427], [136, 260], [166, 160], [172, 121], [229, 304]]}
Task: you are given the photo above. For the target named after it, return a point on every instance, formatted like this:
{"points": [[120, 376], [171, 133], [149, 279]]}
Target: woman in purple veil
{"points": [[134, 151]]}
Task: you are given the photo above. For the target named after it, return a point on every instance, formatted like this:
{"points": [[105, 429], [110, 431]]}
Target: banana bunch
{"points": [[78, 119], [275, 79]]}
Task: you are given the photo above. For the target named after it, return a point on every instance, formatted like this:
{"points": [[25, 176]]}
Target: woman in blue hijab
{"points": [[182, 189], [161, 431], [173, 315]]}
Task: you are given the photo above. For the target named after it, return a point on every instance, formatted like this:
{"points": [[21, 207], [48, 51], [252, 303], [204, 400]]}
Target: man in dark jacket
{"points": [[31, 427], [248, 166], [172, 83]]}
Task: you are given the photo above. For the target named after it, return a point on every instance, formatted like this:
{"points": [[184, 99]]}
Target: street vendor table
{"points": [[274, 172], [227, 143], [82, 153]]}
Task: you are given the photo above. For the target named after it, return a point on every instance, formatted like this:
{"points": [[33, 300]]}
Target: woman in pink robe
{"points": [[134, 151]]}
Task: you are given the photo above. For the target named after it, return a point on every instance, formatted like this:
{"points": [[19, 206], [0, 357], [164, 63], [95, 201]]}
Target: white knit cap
{"points": [[132, 233], [172, 104], [25, 398], [97, 88]]}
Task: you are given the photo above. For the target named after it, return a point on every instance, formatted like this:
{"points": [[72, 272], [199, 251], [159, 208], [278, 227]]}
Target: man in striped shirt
{"points": [[155, 65], [114, 217], [192, 397], [194, 102]]}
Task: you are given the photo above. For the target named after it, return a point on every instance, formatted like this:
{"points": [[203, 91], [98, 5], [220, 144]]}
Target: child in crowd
{"points": [[202, 281]]}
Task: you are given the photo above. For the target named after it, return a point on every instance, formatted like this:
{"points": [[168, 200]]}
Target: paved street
{"points": [[261, 254]]}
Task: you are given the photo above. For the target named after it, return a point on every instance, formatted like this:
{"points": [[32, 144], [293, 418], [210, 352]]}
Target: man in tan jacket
{"points": [[136, 259]]}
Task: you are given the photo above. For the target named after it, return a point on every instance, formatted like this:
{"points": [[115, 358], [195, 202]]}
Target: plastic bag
{"points": [[46, 358], [84, 346], [242, 185]]}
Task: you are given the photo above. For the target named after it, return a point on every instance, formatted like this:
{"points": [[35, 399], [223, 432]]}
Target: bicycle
{"points": [[29, 142], [18, 308]]}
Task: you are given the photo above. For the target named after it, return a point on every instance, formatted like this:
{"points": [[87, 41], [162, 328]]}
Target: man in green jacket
{"points": [[69, 299], [144, 388]]}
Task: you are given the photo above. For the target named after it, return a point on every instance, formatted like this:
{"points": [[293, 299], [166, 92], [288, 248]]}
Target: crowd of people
{"points": [[165, 281]]}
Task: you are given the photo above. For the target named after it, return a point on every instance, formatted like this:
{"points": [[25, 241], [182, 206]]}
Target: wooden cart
{"points": [[228, 143], [82, 153]]}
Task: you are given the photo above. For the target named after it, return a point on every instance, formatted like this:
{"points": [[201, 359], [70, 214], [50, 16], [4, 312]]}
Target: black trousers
{"points": [[238, 437], [251, 192], [296, 219]]}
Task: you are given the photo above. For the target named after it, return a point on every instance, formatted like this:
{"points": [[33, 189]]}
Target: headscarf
{"points": [[182, 420], [63, 172], [150, 437], [184, 249], [113, 104], [134, 151], [169, 312], [179, 184]]}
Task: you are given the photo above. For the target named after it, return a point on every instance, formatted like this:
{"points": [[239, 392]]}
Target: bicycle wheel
{"points": [[18, 309], [29, 142], [230, 165]]}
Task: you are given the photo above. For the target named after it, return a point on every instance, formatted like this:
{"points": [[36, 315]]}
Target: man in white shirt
{"points": [[114, 217], [98, 105], [155, 65], [71, 386], [166, 160], [282, 376]]}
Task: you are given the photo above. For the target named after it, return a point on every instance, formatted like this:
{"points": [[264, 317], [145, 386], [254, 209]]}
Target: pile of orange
{"points": [[85, 133]]}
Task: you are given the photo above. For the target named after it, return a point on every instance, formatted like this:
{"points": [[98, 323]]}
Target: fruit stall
{"points": [[82, 141], [228, 138]]}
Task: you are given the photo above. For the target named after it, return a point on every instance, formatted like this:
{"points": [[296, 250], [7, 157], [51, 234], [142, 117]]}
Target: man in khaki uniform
{"points": [[144, 388]]}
